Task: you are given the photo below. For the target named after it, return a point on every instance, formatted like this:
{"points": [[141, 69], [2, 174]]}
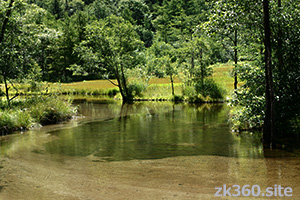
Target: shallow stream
{"points": [[146, 150]]}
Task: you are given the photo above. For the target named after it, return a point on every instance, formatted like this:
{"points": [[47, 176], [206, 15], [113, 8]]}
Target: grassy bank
{"points": [[27, 113]]}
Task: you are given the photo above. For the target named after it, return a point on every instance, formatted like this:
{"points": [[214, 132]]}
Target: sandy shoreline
{"points": [[32, 176]]}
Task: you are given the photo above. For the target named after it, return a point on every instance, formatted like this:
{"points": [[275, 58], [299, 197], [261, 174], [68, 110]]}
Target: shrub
{"points": [[209, 88], [188, 90], [136, 89], [112, 92], [11, 120], [52, 110], [177, 98]]}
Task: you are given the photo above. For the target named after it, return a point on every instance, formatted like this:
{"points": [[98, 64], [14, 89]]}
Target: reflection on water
{"points": [[151, 131], [147, 130]]}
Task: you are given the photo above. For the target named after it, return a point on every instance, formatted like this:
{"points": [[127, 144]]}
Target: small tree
{"points": [[18, 38], [227, 21], [162, 61], [111, 47]]}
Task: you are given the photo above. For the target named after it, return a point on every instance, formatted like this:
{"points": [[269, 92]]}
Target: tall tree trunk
{"points": [[269, 123], [279, 50], [5, 22], [279, 53], [128, 97], [117, 74], [201, 66], [235, 59], [2, 34], [172, 84]]}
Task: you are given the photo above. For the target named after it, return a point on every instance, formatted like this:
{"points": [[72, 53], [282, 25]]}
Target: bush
{"points": [[11, 120], [188, 91], [112, 92], [209, 88], [52, 110], [136, 89], [177, 98], [37, 110]]}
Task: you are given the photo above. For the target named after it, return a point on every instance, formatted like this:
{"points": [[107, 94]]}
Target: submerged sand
{"points": [[29, 175]]}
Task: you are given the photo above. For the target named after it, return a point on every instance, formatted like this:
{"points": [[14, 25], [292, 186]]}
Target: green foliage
{"points": [[250, 98], [56, 40], [136, 89], [195, 59], [112, 47], [137, 13], [112, 92], [209, 88], [51, 110], [177, 98], [36, 110]]}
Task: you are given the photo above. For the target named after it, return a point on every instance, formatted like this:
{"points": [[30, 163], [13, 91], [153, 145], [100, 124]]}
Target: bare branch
{"points": [[112, 82]]}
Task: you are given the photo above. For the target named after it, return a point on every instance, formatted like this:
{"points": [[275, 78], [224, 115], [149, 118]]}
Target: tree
{"points": [[271, 80], [18, 36], [137, 13], [111, 48], [195, 56], [227, 21], [162, 23], [269, 121], [4, 50], [162, 61]]}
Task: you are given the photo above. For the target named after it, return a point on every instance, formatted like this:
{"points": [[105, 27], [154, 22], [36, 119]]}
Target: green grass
{"points": [[158, 88], [26, 113], [222, 75]]}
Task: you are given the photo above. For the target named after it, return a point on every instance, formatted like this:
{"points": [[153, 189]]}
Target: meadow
{"points": [[156, 88]]}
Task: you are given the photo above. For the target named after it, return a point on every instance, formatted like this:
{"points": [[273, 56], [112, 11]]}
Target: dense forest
{"points": [[75, 40]]}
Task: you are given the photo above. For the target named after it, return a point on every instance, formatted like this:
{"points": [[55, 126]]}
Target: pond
{"points": [[146, 150]]}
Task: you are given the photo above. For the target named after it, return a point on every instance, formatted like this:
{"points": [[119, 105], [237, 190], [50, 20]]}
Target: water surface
{"points": [[147, 150]]}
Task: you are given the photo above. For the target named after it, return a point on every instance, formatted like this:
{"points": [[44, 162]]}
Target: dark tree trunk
{"points": [[5, 22], [2, 34], [201, 67], [172, 84], [279, 50], [269, 123], [235, 59]]}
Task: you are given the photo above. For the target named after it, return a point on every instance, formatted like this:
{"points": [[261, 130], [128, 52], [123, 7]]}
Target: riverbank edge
{"points": [[35, 112], [22, 119]]}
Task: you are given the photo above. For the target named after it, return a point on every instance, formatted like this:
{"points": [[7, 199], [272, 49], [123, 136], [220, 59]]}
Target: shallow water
{"points": [[139, 151]]}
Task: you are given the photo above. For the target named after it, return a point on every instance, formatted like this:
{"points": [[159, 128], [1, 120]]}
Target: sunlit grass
{"points": [[156, 87], [222, 75], [162, 91]]}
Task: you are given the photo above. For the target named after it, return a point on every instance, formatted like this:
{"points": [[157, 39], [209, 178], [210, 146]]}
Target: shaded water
{"points": [[156, 142]]}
